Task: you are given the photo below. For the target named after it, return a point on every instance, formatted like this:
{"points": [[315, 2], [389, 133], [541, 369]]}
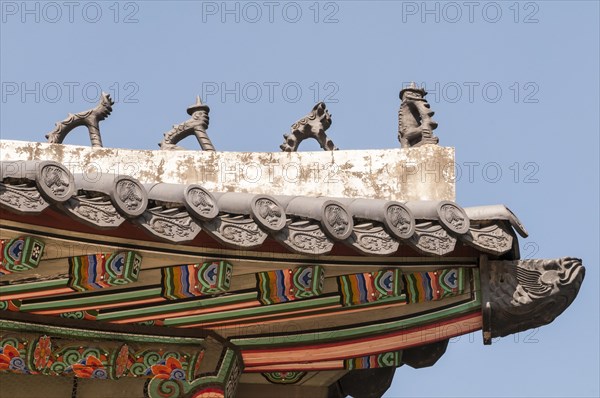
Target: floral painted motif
{"points": [[10, 359], [122, 361], [42, 352], [89, 368], [168, 369]]}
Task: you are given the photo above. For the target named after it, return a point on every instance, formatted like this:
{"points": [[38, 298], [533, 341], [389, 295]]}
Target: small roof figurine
{"points": [[198, 106], [412, 87]]}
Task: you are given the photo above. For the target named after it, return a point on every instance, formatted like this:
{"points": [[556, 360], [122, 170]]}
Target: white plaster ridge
{"points": [[421, 173]]}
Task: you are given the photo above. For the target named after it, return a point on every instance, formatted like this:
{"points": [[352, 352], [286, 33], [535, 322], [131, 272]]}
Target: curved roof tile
{"points": [[305, 225]]}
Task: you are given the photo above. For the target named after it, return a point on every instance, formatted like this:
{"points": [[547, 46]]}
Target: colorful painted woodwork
{"points": [[196, 280], [281, 286], [90, 315], [15, 355], [94, 359], [437, 321], [87, 359], [99, 360], [20, 254], [434, 285], [221, 384], [284, 377], [417, 287], [98, 271], [175, 363], [3, 271], [383, 360], [370, 287], [387, 285], [284, 358], [10, 305], [173, 370]]}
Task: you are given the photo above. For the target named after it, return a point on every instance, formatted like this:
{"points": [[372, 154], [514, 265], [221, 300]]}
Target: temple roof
{"points": [[321, 281]]}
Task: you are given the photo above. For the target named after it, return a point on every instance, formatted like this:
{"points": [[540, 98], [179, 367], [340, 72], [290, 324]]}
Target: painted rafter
{"points": [[114, 307], [384, 342], [384, 331], [227, 311]]}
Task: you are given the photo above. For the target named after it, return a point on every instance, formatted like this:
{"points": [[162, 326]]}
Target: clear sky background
{"points": [[515, 88]]}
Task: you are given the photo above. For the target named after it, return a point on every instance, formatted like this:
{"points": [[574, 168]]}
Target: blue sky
{"points": [[515, 88]]}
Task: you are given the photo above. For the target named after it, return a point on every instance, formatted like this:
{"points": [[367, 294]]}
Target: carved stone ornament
{"points": [[312, 125], [169, 224], [200, 203], [55, 182], [373, 240], [305, 237], [453, 217], [196, 125], [399, 221], [130, 198], [336, 221], [268, 213], [91, 119], [529, 293], [493, 239], [236, 231], [415, 125], [28, 187], [430, 238], [22, 199], [96, 211]]}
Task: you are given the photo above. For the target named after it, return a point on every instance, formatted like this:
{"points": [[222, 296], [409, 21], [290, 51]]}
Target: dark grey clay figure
{"points": [[415, 125], [312, 125], [196, 125], [91, 119]]}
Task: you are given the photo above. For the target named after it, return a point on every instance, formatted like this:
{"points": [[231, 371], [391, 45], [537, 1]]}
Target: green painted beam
{"points": [[76, 302], [257, 311], [176, 306], [33, 286], [376, 328], [61, 331]]}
